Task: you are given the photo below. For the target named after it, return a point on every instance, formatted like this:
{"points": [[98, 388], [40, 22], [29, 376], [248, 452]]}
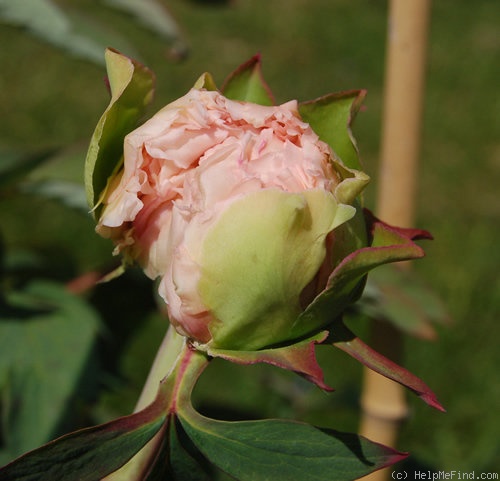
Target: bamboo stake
{"points": [[383, 401]]}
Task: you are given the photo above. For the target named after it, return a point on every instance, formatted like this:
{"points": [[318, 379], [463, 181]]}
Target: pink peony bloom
{"points": [[231, 205]]}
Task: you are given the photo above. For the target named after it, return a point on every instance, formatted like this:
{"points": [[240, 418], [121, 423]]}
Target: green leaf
{"points": [[247, 84], [281, 450], [331, 117], [92, 453], [47, 339], [185, 460], [131, 92]]}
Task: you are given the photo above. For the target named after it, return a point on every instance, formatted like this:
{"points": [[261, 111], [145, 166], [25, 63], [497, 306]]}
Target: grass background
{"points": [[309, 48]]}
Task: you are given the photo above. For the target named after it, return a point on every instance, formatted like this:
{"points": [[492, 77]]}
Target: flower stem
{"points": [[166, 359]]}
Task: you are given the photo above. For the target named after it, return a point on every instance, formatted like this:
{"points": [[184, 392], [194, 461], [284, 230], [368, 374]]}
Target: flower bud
{"points": [[234, 206]]}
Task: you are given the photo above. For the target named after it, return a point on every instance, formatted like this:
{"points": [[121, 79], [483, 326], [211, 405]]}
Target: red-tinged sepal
{"points": [[342, 338], [299, 357], [386, 244]]}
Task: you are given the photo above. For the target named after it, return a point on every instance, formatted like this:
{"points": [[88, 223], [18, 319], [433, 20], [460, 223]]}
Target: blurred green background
{"points": [[51, 100]]}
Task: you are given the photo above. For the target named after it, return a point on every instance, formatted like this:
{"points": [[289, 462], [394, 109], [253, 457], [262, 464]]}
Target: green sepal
{"points": [[131, 87], [247, 84], [205, 81], [330, 117], [350, 236]]}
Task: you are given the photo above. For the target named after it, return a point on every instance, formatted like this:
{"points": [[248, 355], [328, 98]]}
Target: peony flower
{"points": [[247, 212], [232, 205]]}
